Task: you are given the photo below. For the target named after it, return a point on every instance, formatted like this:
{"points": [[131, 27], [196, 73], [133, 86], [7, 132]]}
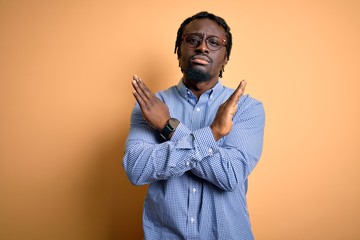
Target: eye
{"points": [[214, 41], [193, 40]]}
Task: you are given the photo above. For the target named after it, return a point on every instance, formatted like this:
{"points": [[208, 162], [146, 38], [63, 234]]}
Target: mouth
{"points": [[200, 60]]}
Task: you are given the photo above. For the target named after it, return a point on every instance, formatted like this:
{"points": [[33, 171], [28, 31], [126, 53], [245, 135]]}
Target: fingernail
{"points": [[134, 81], [136, 78]]}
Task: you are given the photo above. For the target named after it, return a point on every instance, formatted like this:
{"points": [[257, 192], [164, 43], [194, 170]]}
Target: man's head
{"points": [[203, 46]]}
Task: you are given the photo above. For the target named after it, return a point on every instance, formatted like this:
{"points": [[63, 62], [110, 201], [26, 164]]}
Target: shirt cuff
{"points": [[205, 142], [180, 132]]}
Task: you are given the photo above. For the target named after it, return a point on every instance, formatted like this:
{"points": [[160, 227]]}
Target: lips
{"points": [[200, 59]]}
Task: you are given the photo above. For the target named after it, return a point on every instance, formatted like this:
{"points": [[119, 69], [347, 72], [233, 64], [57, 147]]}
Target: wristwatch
{"points": [[170, 127]]}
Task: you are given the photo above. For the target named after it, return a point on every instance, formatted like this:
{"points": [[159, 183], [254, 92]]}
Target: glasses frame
{"points": [[202, 37]]}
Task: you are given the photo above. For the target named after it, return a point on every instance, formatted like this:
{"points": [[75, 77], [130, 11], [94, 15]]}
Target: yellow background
{"points": [[65, 103]]}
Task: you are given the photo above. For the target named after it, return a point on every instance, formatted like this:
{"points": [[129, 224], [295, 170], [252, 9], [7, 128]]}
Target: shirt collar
{"points": [[212, 93]]}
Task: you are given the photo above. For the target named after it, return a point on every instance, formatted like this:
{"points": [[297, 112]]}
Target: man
{"points": [[195, 143]]}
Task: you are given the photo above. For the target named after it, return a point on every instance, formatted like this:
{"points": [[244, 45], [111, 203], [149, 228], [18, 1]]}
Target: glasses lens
{"points": [[214, 43], [193, 40]]}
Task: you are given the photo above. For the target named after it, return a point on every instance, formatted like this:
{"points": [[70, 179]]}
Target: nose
{"points": [[202, 47]]}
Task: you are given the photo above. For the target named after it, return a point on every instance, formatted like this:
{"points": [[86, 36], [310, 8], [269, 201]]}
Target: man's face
{"points": [[201, 60]]}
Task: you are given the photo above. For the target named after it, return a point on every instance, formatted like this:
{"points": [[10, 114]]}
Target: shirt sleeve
{"points": [[235, 156], [224, 163], [148, 158]]}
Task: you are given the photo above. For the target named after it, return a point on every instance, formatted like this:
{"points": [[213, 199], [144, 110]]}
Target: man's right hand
{"points": [[222, 123], [154, 111]]}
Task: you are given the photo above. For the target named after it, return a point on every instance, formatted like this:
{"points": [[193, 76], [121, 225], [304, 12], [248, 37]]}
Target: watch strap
{"points": [[169, 128]]}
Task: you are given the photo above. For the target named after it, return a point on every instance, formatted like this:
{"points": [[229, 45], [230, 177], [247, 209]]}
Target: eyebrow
{"points": [[198, 33]]}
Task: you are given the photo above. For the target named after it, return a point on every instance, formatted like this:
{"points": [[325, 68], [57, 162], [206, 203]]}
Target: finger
{"points": [[138, 87], [234, 98], [139, 99], [137, 92], [146, 91], [241, 87]]}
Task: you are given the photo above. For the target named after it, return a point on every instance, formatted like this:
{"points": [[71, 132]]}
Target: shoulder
{"points": [[250, 108], [246, 101], [168, 93]]}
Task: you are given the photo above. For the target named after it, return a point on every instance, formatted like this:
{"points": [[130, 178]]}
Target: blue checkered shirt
{"points": [[197, 185]]}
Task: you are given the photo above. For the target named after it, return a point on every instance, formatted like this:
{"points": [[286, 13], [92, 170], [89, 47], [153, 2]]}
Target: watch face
{"points": [[170, 126], [173, 122]]}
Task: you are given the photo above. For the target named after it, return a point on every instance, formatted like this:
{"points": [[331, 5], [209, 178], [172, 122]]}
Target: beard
{"points": [[197, 75]]}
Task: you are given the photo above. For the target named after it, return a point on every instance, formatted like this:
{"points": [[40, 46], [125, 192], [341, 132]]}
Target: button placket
{"points": [[194, 202]]}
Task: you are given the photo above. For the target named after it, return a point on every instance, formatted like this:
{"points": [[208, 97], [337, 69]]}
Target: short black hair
{"points": [[201, 15]]}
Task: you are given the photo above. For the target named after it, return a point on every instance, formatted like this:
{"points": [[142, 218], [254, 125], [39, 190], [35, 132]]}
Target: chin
{"points": [[197, 75]]}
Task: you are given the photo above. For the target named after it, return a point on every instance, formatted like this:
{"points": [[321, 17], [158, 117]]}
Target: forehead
{"points": [[204, 26]]}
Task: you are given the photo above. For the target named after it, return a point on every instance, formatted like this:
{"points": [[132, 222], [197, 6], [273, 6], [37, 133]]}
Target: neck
{"points": [[198, 88]]}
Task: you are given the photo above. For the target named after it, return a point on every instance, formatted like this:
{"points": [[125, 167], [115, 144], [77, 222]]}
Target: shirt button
{"points": [[194, 190], [192, 220], [210, 151], [187, 163], [198, 109]]}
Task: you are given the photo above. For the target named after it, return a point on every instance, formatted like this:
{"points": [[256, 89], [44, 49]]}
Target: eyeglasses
{"points": [[193, 40]]}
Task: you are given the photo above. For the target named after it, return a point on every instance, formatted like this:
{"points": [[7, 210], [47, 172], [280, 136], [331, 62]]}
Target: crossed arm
{"points": [[156, 113], [197, 151]]}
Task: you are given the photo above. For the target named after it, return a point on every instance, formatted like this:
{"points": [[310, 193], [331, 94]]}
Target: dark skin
{"points": [[156, 113], [216, 59]]}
